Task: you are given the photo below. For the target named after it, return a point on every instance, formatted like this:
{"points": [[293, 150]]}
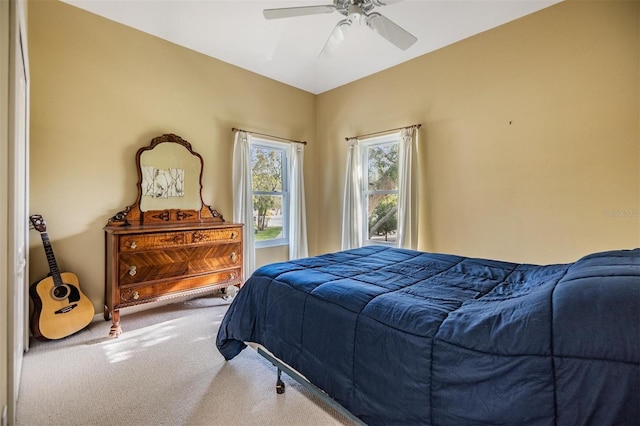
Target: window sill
{"points": [[380, 243], [268, 244]]}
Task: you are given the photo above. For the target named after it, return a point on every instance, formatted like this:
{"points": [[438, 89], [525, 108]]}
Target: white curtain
{"points": [[352, 204], [408, 189], [243, 197], [297, 212]]}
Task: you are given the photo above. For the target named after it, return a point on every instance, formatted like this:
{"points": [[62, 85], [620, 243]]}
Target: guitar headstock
{"points": [[38, 222]]}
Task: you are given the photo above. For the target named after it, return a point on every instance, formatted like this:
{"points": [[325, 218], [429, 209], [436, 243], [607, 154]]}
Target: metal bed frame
{"points": [[316, 391]]}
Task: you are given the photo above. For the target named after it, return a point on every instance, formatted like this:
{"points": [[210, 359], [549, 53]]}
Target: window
{"points": [[380, 189], [269, 165]]}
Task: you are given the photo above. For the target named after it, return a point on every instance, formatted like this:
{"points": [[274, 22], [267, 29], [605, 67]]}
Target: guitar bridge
{"points": [[66, 309]]}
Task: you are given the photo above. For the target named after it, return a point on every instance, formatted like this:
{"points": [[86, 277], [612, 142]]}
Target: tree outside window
{"points": [[381, 189], [269, 163]]}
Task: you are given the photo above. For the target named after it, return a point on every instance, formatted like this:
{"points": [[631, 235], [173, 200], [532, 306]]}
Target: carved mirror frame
{"points": [[162, 203]]}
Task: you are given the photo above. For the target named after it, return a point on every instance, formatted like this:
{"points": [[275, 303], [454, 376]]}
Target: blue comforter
{"points": [[406, 337]]}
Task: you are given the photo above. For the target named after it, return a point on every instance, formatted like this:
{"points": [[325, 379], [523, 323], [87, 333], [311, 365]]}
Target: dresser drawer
{"points": [[177, 262], [134, 242], [136, 294], [214, 235]]}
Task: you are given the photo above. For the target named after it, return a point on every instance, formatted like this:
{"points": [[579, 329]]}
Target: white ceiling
{"points": [[287, 50]]}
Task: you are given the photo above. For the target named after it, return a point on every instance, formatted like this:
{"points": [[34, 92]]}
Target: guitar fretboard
{"points": [[51, 259]]}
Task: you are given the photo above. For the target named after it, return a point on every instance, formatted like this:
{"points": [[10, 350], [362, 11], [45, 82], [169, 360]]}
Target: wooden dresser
{"points": [[154, 255]]}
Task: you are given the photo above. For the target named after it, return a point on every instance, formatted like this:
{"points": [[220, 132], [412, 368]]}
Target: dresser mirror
{"points": [[170, 177], [169, 185]]}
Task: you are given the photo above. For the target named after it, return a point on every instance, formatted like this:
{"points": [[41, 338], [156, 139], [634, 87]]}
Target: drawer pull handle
{"points": [[129, 295], [133, 270], [133, 245], [234, 257]]}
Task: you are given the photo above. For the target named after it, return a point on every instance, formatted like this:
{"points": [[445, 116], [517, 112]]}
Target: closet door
{"points": [[18, 197]]}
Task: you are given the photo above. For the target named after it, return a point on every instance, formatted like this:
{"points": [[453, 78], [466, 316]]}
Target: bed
{"points": [[406, 337]]}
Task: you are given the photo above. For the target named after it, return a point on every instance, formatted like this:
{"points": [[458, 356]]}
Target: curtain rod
{"points": [[233, 129], [417, 126]]}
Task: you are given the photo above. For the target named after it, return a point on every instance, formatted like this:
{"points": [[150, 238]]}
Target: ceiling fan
{"points": [[356, 11]]}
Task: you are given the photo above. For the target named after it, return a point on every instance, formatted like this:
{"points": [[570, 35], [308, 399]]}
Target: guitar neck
{"points": [[51, 259]]}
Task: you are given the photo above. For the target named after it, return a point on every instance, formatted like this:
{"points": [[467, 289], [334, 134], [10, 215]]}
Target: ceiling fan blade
{"points": [[288, 12], [391, 31], [385, 2], [336, 37]]}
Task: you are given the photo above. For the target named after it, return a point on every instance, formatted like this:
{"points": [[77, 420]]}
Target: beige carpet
{"points": [[163, 370]]}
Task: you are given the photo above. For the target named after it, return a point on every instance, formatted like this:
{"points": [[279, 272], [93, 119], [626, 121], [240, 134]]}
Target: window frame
{"points": [[366, 144], [284, 149]]}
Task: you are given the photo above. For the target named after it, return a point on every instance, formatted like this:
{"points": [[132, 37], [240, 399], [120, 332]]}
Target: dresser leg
{"points": [[116, 330]]}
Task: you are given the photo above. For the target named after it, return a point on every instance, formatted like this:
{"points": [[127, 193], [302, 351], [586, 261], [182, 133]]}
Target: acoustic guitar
{"points": [[60, 307]]}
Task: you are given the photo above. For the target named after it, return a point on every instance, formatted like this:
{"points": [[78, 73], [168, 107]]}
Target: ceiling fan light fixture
{"points": [[341, 31], [355, 13], [336, 38]]}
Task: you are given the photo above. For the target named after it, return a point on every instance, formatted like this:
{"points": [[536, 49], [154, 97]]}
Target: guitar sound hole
{"points": [[60, 292]]}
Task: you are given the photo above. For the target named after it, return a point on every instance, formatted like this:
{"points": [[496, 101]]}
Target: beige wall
{"points": [[530, 146], [100, 91]]}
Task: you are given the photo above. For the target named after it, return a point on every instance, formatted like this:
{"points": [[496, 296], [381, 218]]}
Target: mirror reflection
{"points": [[170, 178]]}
